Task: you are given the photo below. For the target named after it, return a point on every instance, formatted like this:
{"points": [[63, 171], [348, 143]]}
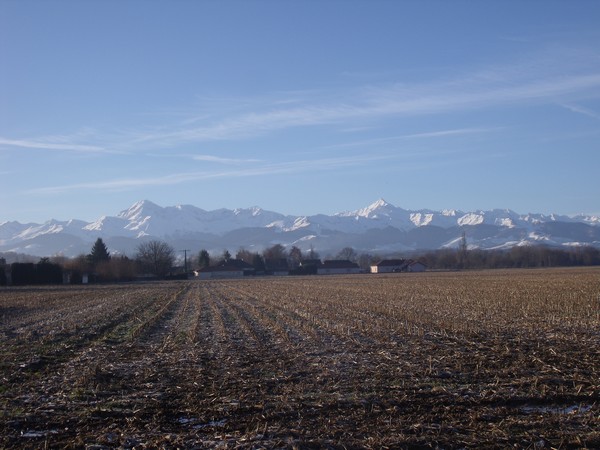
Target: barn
{"points": [[398, 265], [233, 268], [416, 266], [389, 266], [337, 267]]}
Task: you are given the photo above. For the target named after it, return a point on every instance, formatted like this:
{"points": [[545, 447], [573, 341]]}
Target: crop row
{"points": [[447, 359]]}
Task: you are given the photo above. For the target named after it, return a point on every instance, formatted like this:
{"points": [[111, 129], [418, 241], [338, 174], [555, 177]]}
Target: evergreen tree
{"points": [[226, 255], [203, 259], [258, 263], [99, 253]]}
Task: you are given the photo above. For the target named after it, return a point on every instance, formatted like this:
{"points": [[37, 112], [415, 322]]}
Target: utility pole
{"points": [[185, 260]]}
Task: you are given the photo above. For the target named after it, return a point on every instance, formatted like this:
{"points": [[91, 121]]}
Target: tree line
{"points": [[155, 259], [446, 259], [152, 259], [516, 257]]}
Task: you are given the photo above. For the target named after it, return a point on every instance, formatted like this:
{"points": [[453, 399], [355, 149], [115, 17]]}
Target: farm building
{"points": [[310, 263], [277, 266], [389, 266], [308, 266], [398, 265], [416, 266], [233, 268], [337, 267]]}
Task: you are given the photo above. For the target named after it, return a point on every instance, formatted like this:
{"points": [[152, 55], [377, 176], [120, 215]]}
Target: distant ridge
{"points": [[380, 227]]}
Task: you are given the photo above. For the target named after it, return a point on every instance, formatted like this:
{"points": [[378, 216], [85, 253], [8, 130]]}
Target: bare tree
{"points": [[277, 251], [295, 257], [156, 257], [462, 253], [347, 253], [117, 269], [366, 260], [244, 255]]}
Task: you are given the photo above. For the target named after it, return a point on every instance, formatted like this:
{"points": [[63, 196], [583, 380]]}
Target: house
{"points": [[337, 267], [207, 273], [277, 266], [389, 266], [398, 265], [232, 268], [416, 266], [308, 267], [310, 263]]}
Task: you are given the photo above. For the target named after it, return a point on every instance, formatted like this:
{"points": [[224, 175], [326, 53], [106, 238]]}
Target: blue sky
{"points": [[301, 107]]}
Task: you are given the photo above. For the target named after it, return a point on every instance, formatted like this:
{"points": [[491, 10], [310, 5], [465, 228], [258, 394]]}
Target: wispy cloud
{"points": [[455, 132], [474, 92], [537, 81], [217, 159], [582, 110], [429, 134], [42, 145]]}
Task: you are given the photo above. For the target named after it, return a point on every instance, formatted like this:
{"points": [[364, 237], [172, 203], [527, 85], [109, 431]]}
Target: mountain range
{"points": [[379, 228]]}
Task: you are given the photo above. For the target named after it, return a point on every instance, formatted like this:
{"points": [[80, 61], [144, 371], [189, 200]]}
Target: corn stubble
{"points": [[489, 359]]}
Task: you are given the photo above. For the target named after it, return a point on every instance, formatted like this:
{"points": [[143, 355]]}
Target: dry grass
{"points": [[451, 360]]}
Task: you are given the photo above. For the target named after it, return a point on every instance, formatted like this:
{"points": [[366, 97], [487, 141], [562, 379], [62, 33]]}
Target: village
{"points": [[237, 268]]}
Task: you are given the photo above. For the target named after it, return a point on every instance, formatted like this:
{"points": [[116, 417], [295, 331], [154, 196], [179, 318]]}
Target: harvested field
{"points": [[491, 359]]}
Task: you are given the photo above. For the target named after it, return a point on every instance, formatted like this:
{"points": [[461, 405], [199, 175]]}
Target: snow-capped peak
{"points": [[380, 203], [138, 209], [376, 208], [398, 228]]}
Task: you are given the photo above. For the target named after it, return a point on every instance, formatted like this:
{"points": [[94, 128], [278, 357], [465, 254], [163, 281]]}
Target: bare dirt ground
{"points": [[490, 359]]}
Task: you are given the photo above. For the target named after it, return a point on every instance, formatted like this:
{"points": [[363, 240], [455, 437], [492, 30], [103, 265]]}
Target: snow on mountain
{"points": [[590, 220], [289, 225], [380, 227], [113, 226], [73, 227], [148, 219], [471, 219], [378, 209], [8, 231], [424, 217], [379, 214]]}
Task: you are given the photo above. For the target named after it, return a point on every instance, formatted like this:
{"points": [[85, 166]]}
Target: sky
{"points": [[299, 107]]}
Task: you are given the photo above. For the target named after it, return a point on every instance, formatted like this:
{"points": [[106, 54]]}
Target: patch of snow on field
{"points": [[555, 409], [196, 424]]}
